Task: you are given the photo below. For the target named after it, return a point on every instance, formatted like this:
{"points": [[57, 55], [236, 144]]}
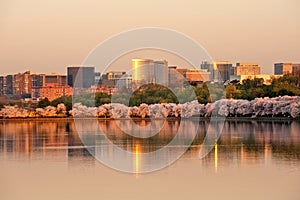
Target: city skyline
{"points": [[32, 35], [144, 71], [128, 68]]}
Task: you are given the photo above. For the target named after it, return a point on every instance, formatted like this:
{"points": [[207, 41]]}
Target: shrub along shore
{"points": [[281, 107]]}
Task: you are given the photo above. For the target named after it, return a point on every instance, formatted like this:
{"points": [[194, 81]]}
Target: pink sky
{"points": [[46, 36]]}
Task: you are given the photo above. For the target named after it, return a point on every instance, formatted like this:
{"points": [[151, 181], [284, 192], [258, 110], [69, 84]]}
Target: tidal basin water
{"points": [[45, 159]]}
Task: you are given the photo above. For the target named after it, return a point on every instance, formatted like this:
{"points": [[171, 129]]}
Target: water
{"points": [[45, 159]]}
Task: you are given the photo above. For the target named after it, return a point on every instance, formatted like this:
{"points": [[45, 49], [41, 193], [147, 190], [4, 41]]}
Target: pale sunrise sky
{"points": [[46, 36]]}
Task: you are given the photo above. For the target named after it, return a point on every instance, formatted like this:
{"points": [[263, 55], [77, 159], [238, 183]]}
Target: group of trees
{"points": [[250, 89], [66, 100]]}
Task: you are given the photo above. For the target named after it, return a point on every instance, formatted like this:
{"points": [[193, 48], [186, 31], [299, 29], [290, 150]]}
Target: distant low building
{"points": [[246, 68], [180, 76], [116, 79], [197, 75], [101, 88], [268, 78]]}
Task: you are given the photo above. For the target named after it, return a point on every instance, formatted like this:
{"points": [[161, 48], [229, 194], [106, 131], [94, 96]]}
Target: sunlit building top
{"points": [[146, 71]]}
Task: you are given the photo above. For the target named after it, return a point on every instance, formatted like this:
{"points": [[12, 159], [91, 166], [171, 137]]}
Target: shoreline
{"points": [[148, 119]]}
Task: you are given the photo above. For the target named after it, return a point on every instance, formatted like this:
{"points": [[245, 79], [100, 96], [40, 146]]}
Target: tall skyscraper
{"points": [[81, 76]]}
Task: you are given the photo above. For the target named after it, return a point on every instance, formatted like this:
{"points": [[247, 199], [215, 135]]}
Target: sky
{"points": [[46, 36]]}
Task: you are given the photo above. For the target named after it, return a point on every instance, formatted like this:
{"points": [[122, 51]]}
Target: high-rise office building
{"points": [[220, 71], [145, 71], [37, 82], [9, 85], [22, 84], [286, 68], [97, 78], [54, 86], [81, 76], [161, 72], [296, 70], [2, 79], [176, 76], [54, 80], [247, 68], [283, 68], [142, 71]]}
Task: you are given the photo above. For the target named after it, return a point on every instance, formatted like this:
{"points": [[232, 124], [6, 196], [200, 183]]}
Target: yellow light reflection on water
{"points": [[137, 152], [216, 157]]}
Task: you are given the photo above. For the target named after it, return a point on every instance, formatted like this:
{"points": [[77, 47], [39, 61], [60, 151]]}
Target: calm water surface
{"points": [[45, 159]]}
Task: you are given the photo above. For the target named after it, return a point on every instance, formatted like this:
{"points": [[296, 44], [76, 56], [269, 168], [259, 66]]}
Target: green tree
{"points": [[232, 92], [66, 100], [43, 103]]}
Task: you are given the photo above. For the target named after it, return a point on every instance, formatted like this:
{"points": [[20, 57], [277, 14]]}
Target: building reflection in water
{"points": [[241, 142]]}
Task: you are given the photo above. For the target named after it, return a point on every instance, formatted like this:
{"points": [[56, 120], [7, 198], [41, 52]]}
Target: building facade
{"points": [[2, 92], [8, 84], [286, 69], [142, 71], [146, 71], [220, 71], [247, 68], [81, 76], [37, 82], [283, 68], [22, 84], [53, 93], [197, 75], [296, 70], [161, 72]]}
